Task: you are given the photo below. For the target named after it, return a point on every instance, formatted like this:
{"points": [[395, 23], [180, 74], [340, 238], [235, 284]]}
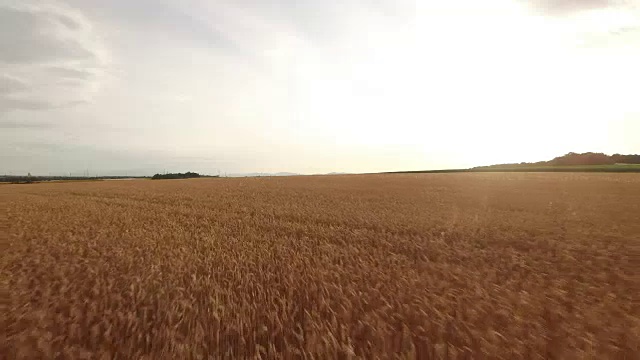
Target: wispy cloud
{"points": [[10, 84], [568, 7], [70, 72], [44, 45]]}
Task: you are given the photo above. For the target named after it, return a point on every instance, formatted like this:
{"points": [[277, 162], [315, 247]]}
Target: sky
{"points": [[125, 87]]}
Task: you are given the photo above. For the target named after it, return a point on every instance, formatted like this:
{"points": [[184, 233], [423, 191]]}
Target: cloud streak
{"points": [[9, 124], [569, 7]]}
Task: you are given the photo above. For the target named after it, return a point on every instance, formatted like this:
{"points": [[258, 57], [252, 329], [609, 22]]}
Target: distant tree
{"points": [[187, 175]]}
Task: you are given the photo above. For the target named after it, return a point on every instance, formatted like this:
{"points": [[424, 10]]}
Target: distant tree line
{"points": [[28, 179], [187, 175], [591, 158], [575, 159]]}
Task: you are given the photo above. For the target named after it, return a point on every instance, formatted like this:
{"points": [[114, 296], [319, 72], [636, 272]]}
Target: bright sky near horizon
{"points": [[138, 87]]}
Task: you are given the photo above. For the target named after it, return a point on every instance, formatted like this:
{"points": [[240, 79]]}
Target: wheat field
{"points": [[424, 266]]}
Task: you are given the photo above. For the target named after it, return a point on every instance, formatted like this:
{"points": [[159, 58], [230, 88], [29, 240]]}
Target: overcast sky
{"points": [[307, 86]]}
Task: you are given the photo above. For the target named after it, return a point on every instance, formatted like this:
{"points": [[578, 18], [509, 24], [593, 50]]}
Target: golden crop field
{"points": [[431, 266]]}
